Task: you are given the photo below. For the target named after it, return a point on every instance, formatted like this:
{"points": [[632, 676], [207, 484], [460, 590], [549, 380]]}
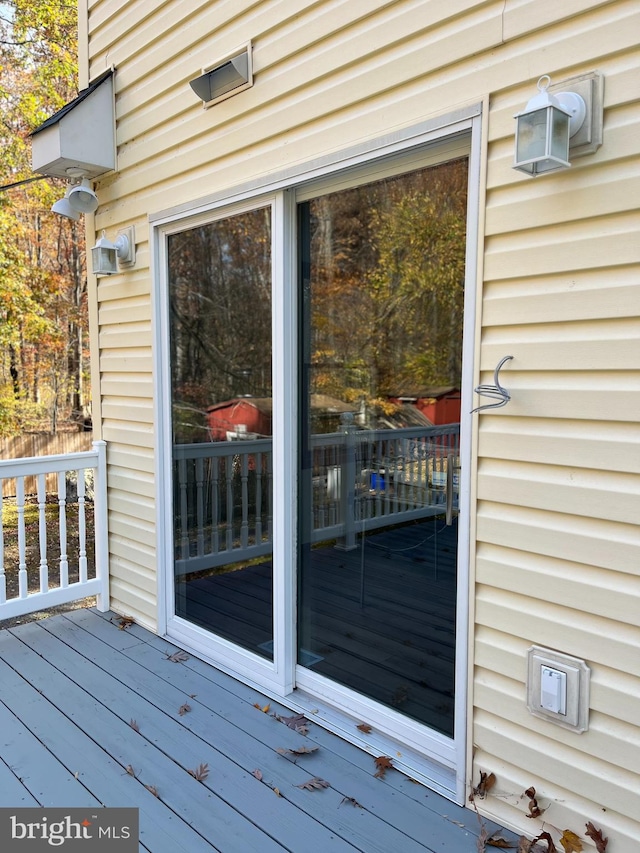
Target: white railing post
{"points": [[101, 526]]}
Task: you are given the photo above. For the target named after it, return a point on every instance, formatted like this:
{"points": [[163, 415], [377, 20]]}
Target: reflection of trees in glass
{"points": [[220, 303], [387, 278]]}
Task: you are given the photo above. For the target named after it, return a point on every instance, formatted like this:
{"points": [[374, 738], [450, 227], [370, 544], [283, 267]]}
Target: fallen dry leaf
{"points": [[178, 656], [365, 728], [134, 726], [352, 802], [130, 771], [200, 773], [571, 842], [298, 722], [276, 791], [125, 622], [383, 763], [534, 809], [481, 841], [301, 750], [258, 774], [314, 784], [152, 790], [263, 708], [596, 836], [486, 783], [184, 709], [544, 836], [498, 841]]}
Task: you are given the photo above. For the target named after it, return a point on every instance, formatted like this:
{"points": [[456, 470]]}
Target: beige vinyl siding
{"points": [[556, 557]]}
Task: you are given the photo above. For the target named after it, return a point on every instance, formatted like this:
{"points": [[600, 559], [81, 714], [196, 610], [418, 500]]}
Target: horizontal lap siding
{"points": [[558, 551], [558, 541]]}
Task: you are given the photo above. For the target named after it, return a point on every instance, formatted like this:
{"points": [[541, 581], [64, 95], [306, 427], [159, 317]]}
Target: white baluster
{"points": [[22, 552], [42, 533], [82, 527], [62, 516]]}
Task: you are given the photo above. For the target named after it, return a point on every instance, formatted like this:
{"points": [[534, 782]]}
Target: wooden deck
{"points": [[70, 687]]}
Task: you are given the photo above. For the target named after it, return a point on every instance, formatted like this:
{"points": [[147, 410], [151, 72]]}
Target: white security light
{"points": [[82, 197], [63, 208], [544, 128]]}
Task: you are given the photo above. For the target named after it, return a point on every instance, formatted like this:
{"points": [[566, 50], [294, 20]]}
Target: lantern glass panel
{"points": [[104, 260], [532, 135], [560, 135]]}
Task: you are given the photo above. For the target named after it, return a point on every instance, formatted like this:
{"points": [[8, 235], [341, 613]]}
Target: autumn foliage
{"points": [[43, 314]]}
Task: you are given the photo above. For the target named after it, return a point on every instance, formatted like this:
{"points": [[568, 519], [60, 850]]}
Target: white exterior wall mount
{"points": [[80, 139], [558, 688], [590, 87]]}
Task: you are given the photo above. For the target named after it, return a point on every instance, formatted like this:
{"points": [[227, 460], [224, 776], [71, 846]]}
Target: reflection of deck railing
{"points": [[359, 480]]}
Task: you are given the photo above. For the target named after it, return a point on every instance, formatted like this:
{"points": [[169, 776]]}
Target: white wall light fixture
{"points": [[82, 197], [230, 75], [553, 125], [108, 257], [63, 208]]}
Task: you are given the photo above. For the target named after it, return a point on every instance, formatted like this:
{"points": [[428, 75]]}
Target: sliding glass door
{"points": [[382, 271], [316, 519], [219, 277]]}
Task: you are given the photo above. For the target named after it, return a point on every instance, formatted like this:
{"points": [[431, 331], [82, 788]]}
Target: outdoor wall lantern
{"points": [[230, 75], [106, 256], [544, 128]]}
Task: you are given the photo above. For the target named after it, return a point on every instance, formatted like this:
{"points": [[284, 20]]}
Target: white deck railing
{"points": [[64, 490]]}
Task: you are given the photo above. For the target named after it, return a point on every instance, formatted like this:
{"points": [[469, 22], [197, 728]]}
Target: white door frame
{"points": [[445, 765]]}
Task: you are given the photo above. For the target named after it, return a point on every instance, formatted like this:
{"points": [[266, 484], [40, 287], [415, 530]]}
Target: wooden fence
{"points": [[40, 444]]}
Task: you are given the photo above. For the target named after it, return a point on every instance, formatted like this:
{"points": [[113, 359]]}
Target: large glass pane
{"points": [[382, 272], [220, 329]]}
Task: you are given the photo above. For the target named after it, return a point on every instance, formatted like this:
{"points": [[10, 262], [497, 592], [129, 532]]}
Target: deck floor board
{"points": [[70, 686]]}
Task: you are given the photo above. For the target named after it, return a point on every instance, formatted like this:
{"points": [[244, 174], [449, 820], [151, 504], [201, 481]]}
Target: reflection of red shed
{"points": [[250, 417], [243, 417], [441, 404]]}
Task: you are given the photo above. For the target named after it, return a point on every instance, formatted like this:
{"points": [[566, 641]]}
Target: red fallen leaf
{"points": [[365, 728], [596, 836], [383, 763]]}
